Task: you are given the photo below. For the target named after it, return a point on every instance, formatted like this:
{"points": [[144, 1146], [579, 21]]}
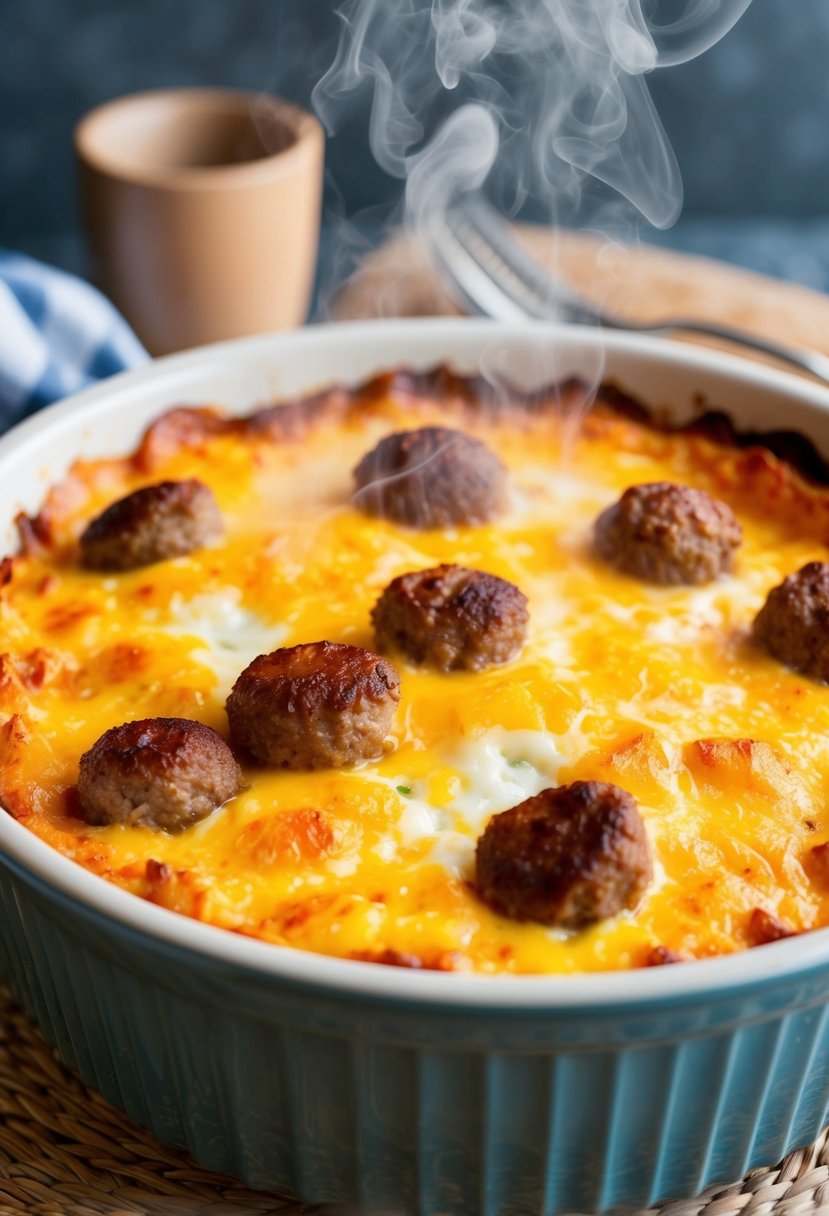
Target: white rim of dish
{"points": [[682, 984]]}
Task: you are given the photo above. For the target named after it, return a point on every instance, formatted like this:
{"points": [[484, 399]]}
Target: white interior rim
{"points": [[687, 982]]}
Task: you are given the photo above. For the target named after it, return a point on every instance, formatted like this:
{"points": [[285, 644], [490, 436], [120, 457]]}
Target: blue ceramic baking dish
{"points": [[375, 1087]]}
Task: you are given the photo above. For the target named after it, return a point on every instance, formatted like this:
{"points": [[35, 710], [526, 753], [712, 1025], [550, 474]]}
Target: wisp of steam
{"points": [[540, 99]]}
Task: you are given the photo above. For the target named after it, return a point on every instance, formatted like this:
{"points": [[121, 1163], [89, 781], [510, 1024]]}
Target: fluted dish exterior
{"points": [[382, 1106], [395, 1091]]}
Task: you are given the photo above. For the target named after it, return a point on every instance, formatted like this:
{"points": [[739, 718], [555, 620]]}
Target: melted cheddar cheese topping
{"points": [[658, 689]]}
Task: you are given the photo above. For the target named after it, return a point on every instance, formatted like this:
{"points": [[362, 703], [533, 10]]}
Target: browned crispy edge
{"points": [[472, 397]]}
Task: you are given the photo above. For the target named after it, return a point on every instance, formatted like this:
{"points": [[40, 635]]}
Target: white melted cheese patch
{"points": [[564, 499], [703, 608], [496, 771], [229, 635], [557, 492]]}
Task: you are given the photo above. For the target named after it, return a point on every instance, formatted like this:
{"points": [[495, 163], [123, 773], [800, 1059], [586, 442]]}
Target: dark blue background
{"points": [[749, 121]]}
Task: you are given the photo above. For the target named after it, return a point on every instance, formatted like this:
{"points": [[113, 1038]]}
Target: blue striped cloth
{"points": [[57, 335]]}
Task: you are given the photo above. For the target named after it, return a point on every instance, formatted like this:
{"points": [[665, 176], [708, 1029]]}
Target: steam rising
{"points": [[539, 98]]}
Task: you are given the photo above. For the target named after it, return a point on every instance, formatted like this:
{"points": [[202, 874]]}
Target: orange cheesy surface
{"points": [[657, 689]]}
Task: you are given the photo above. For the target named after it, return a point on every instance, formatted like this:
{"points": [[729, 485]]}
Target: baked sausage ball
{"points": [[318, 705], [160, 773], [567, 857], [665, 533], [451, 618], [150, 525], [431, 478], [793, 624]]}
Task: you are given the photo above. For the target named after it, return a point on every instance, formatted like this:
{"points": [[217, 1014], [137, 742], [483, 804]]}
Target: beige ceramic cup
{"points": [[202, 208]]}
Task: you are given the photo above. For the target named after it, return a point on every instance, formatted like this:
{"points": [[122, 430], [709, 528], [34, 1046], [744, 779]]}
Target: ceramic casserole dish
{"points": [[409, 1091]]}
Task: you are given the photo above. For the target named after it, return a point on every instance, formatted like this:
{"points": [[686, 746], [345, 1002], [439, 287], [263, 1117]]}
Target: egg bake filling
{"points": [[661, 690]]}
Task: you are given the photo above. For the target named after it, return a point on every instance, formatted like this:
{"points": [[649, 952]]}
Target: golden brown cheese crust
{"points": [[658, 690]]}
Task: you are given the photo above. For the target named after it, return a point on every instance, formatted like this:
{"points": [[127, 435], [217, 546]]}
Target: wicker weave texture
{"points": [[65, 1152]]}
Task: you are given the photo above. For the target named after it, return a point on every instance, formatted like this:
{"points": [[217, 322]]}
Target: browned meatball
{"points": [[451, 618], [764, 928], [319, 705], [567, 857], [431, 478], [160, 773], [793, 624], [157, 522], [660, 956], [664, 533]]}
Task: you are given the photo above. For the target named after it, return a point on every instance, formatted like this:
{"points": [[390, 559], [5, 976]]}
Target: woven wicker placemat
{"points": [[64, 1151]]}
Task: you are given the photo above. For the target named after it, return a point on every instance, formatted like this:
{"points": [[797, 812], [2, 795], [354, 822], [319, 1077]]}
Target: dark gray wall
{"points": [[749, 121], [58, 58]]}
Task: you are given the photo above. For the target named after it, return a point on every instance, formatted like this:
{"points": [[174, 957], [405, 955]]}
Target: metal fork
{"points": [[494, 276]]}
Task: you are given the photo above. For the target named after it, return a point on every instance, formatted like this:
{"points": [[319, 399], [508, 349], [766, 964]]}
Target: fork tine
{"points": [[497, 278], [496, 267], [471, 283], [495, 241], [496, 275]]}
